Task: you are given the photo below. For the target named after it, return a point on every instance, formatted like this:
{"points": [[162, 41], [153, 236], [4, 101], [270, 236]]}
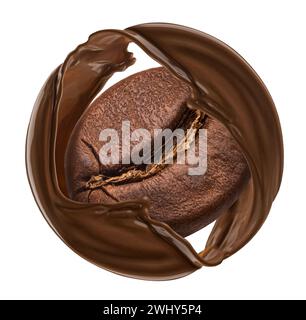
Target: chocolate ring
{"points": [[121, 236]]}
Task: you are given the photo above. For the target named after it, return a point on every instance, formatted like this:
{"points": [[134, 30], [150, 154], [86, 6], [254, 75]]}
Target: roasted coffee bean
{"points": [[155, 99]]}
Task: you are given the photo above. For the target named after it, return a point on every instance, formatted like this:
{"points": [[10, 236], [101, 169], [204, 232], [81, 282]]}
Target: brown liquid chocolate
{"points": [[154, 99], [121, 237]]}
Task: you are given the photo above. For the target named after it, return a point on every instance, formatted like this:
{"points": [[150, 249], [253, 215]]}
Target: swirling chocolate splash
{"points": [[121, 237]]}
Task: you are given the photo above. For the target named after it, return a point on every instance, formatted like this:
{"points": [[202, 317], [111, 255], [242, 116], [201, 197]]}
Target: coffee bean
{"points": [[155, 99]]}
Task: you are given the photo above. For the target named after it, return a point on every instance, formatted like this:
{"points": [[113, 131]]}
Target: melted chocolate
{"points": [[122, 237]]}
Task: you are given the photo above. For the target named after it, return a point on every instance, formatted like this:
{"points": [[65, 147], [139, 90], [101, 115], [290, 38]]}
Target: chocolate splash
{"points": [[121, 237]]}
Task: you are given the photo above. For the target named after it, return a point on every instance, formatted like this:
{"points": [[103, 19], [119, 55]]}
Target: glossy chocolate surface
{"points": [[121, 237]]}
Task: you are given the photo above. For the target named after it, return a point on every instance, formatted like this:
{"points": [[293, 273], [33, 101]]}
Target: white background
{"points": [[37, 36]]}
